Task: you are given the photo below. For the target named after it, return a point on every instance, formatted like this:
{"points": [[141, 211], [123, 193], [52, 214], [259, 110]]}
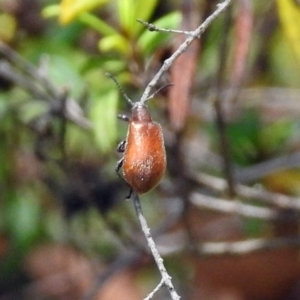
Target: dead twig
{"points": [[247, 247], [159, 261], [236, 207], [183, 47], [251, 193], [18, 70]]}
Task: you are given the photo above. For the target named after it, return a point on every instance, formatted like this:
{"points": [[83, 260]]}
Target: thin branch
{"points": [[159, 261], [150, 296], [174, 243], [166, 279], [221, 124], [152, 27], [183, 47], [228, 206], [265, 168], [252, 193], [28, 69], [224, 145], [134, 254], [8, 72], [29, 77], [247, 247]]}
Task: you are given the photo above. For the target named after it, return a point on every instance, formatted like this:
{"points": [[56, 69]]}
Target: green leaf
{"points": [[273, 136], [24, 214], [85, 18], [64, 72], [104, 62], [71, 9], [149, 41], [126, 11], [143, 11], [50, 11], [103, 115], [244, 137], [115, 43], [130, 11], [96, 23]]}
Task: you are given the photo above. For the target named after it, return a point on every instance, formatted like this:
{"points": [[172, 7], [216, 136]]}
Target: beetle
{"points": [[144, 158], [144, 155]]}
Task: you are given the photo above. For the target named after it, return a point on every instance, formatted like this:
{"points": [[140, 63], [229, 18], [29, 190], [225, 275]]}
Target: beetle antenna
{"points": [[120, 88], [161, 88]]}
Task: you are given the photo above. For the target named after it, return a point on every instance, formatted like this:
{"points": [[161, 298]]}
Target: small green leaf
{"points": [[71, 9], [25, 219], [85, 18], [97, 24], [126, 10], [64, 72], [50, 11], [115, 43], [274, 136], [103, 116], [244, 137], [144, 9]]}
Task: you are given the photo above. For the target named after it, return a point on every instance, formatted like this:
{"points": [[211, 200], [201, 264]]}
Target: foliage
{"points": [[129, 40]]}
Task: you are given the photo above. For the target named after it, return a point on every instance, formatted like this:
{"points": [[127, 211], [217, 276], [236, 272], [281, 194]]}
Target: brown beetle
{"points": [[144, 159]]}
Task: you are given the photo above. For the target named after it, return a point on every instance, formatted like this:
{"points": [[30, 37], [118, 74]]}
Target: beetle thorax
{"points": [[140, 113]]}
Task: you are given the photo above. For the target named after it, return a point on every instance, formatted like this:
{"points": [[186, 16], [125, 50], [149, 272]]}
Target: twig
{"points": [[28, 69], [152, 27], [146, 95], [183, 47], [247, 247], [224, 145], [135, 253], [150, 296], [8, 72], [252, 193], [178, 244], [265, 168], [159, 261], [221, 125], [227, 206], [29, 77]]}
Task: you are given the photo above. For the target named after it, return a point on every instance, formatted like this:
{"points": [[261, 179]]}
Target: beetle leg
{"points": [[121, 146], [118, 167], [123, 118], [130, 193]]}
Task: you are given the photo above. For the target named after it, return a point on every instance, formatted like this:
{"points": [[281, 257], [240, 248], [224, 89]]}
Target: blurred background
{"points": [[226, 215]]}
